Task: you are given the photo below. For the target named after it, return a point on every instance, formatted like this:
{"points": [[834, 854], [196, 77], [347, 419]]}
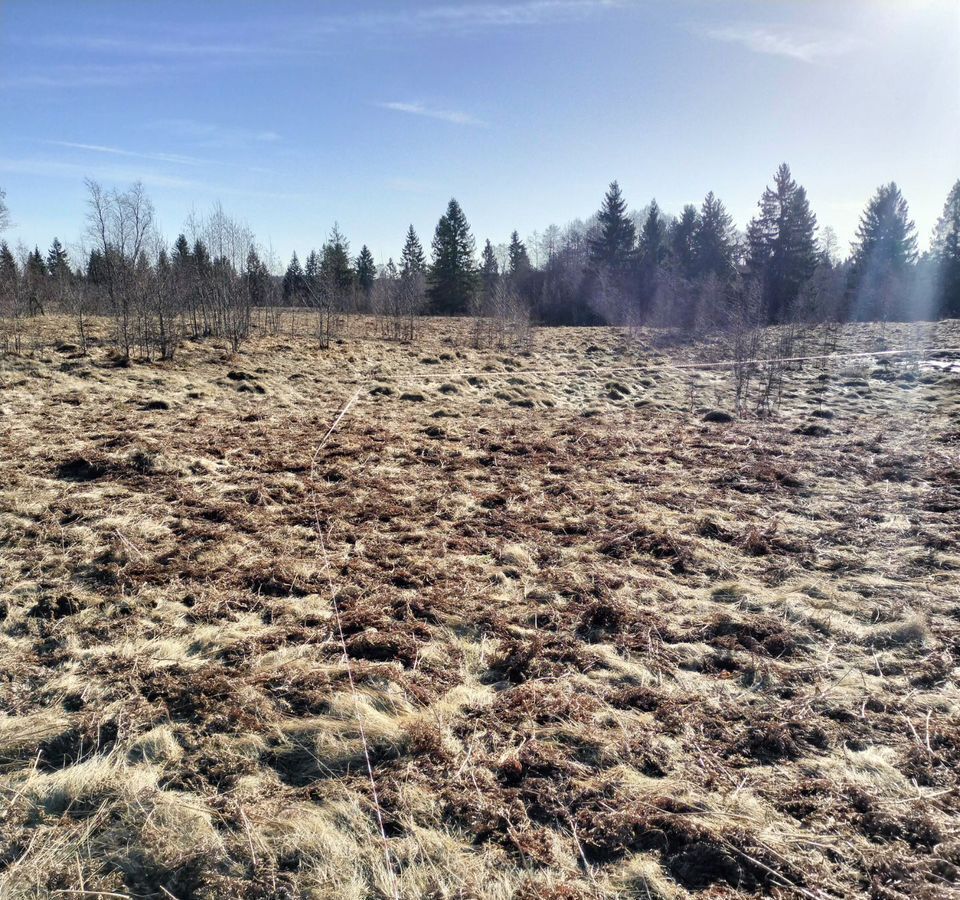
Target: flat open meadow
{"points": [[550, 622]]}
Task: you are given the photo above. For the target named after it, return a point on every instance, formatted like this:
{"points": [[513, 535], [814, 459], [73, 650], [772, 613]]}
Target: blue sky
{"points": [[372, 114]]}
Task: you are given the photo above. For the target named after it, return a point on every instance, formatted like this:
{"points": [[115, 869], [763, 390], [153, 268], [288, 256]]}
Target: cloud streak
{"points": [[256, 39], [454, 117], [50, 168], [801, 45], [212, 134], [174, 158]]}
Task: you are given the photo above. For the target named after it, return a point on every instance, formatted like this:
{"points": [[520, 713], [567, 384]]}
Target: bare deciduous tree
{"points": [[120, 223]]}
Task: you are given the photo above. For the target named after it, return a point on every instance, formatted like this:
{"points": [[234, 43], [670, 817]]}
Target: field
{"points": [[600, 644]]}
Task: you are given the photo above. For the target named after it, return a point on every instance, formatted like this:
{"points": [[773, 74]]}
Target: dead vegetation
{"points": [[604, 643]]}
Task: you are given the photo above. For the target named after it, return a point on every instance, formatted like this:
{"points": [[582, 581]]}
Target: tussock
{"points": [[603, 648]]}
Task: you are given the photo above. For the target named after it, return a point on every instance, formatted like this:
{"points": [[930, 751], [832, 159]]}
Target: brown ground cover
{"points": [[601, 647]]}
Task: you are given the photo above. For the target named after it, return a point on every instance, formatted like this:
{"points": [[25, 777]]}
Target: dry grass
{"points": [[602, 647]]}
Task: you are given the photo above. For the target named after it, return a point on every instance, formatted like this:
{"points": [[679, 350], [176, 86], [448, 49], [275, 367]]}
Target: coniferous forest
{"points": [[695, 270]]}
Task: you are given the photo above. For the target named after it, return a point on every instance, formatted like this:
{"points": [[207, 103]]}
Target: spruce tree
{"points": [[782, 246], [519, 258], [58, 263], [293, 282], [98, 272], [200, 257], [8, 268], [683, 242], [311, 275], [335, 266], [181, 253], [652, 251], [489, 271], [945, 250], [257, 279], [883, 253], [412, 260], [453, 276], [35, 275], [366, 270], [714, 241], [612, 249]]}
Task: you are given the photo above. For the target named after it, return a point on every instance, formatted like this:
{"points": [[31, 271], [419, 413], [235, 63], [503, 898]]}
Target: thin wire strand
{"points": [[354, 398], [328, 571]]}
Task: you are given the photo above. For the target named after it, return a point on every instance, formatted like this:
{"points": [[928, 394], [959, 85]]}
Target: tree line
{"points": [[692, 271]]}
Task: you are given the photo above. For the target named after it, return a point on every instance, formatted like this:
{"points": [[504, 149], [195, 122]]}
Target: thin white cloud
{"points": [[508, 15], [69, 77], [50, 168], [444, 115], [802, 45], [251, 41], [135, 46], [212, 134], [175, 158]]}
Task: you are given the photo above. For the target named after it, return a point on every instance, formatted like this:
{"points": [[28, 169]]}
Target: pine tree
{"points": [[612, 249], [518, 256], [782, 246], [945, 250], [293, 281], [366, 270], [683, 249], [714, 241], [412, 261], [453, 277], [883, 253]]}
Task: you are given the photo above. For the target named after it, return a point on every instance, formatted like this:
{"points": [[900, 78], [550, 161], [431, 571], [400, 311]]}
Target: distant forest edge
{"points": [[694, 272]]}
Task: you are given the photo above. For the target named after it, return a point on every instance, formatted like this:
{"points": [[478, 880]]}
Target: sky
{"points": [[296, 115]]}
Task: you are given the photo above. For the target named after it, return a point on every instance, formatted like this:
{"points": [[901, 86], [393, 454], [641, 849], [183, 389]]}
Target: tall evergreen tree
{"points": [[782, 246], [683, 250], [612, 248], [311, 275], [8, 268], [293, 282], [412, 260], [257, 279], [200, 258], [518, 256], [883, 253], [181, 253], [366, 270], [98, 272], [489, 271], [945, 250], [714, 240], [453, 276], [35, 276], [58, 263], [335, 266], [652, 251]]}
